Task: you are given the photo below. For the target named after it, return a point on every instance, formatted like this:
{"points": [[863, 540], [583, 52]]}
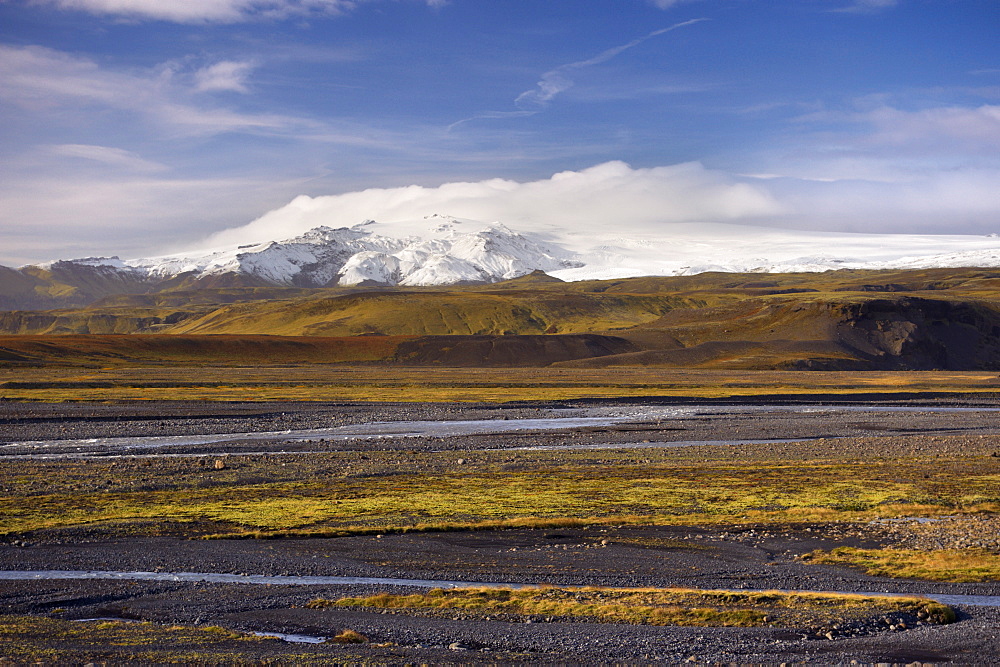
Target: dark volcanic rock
{"points": [[923, 334]]}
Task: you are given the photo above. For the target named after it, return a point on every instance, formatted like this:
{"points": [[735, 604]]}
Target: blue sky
{"points": [[144, 126]]}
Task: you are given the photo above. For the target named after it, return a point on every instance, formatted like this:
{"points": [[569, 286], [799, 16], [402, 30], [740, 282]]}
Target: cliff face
{"points": [[922, 334], [822, 332]]}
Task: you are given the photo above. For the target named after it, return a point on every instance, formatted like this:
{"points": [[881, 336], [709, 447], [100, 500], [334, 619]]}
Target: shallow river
{"points": [[286, 580], [560, 420]]}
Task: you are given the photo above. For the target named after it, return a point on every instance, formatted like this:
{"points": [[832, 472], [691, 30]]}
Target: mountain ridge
{"points": [[445, 251]]}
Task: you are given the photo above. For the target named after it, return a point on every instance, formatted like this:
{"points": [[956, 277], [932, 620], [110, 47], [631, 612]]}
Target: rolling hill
{"points": [[836, 320]]}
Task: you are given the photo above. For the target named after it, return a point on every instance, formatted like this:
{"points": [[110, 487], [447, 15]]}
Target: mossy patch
{"points": [[954, 565], [647, 606], [57, 641], [340, 491]]}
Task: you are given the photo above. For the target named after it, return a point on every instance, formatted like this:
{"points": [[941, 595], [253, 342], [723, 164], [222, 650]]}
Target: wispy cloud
{"points": [[878, 166], [558, 80], [867, 6], [227, 75], [212, 11], [50, 89], [667, 4], [46, 80], [112, 157], [936, 132]]}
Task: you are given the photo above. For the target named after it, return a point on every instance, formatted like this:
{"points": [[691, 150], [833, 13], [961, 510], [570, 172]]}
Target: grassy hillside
{"points": [[465, 312], [69, 284], [335, 313], [840, 320]]}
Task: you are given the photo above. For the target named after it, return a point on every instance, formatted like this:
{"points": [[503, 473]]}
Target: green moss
{"points": [[40, 638], [391, 490]]}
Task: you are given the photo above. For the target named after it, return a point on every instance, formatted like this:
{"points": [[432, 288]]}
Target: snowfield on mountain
{"points": [[443, 250]]}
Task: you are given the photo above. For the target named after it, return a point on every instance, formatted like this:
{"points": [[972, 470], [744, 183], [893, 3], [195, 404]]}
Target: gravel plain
{"points": [[743, 556]]}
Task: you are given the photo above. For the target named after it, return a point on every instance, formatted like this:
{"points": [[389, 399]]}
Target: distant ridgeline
{"points": [[837, 320], [447, 251]]}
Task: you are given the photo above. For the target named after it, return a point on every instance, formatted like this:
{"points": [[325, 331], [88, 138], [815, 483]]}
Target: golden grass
{"points": [[954, 565], [455, 311], [349, 637], [650, 606], [361, 383], [464, 312], [776, 518]]}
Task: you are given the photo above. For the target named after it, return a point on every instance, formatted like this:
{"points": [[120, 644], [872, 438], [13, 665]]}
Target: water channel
{"points": [[288, 580], [562, 419]]}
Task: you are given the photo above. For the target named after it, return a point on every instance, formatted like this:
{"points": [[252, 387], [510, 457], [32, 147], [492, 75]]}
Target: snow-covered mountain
{"points": [[442, 250], [436, 251]]}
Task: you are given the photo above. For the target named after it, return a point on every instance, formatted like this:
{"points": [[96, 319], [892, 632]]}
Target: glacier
{"points": [[444, 250]]}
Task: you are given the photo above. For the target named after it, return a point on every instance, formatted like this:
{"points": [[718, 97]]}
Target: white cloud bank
{"points": [[609, 194], [616, 197]]}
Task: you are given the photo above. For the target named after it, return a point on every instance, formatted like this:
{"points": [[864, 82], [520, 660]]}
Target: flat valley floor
{"points": [[652, 493]]}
